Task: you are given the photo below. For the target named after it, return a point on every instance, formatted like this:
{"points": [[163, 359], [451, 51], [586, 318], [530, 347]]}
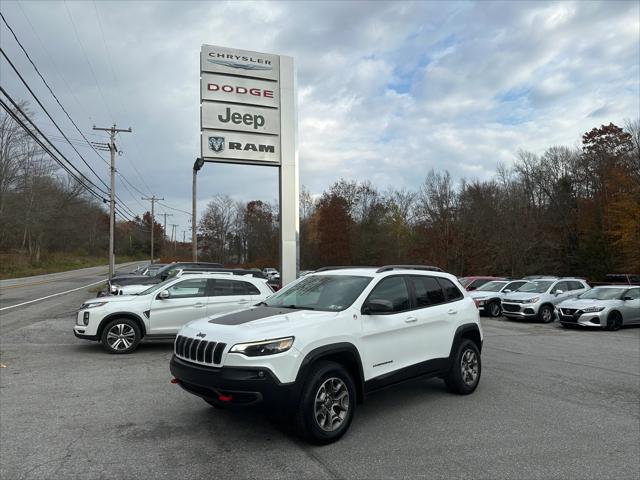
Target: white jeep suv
{"points": [[536, 299], [325, 341], [121, 321]]}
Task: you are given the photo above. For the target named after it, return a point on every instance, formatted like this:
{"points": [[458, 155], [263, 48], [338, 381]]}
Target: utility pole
{"points": [[174, 235], [194, 238], [184, 236], [153, 200], [165, 224], [112, 203]]}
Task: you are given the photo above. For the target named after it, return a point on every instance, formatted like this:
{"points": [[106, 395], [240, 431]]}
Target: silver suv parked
{"points": [[536, 299]]}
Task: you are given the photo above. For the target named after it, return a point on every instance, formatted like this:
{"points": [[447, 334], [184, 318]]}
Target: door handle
{"points": [[451, 311], [199, 305], [243, 300], [411, 320]]}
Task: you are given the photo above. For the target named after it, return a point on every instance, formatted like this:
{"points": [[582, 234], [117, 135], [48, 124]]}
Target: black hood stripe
{"points": [[245, 316]]}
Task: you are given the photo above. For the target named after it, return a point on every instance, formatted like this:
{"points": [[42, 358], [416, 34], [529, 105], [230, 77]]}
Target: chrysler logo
{"points": [[216, 144], [201, 335]]}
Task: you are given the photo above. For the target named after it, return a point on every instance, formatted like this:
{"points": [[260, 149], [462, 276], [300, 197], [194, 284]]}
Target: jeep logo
{"points": [[247, 119], [201, 335]]}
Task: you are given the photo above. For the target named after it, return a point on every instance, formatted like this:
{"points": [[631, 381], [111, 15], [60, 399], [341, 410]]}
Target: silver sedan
{"points": [[608, 307]]}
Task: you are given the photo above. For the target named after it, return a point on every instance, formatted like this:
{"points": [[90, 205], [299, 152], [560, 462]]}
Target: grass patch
{"points": [[15, 265]]}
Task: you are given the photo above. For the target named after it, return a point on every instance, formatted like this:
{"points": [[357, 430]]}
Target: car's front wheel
{"points": [[327, 403], [614, 321], [546, 314], [493, 309], [121, 335], [464, 375]]}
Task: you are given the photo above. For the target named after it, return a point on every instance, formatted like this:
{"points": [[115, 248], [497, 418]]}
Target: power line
{"points": [[90, 144], [46, 149], [176, 209], [86, 57]]}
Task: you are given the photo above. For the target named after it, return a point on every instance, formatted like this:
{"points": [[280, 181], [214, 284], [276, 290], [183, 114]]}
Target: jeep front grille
{"points": [[200, 351]]}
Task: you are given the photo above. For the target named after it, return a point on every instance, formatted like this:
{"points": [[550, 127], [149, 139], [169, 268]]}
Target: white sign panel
{"points": [[240, 118], [223, 145], [249, 91], [239, 62]]}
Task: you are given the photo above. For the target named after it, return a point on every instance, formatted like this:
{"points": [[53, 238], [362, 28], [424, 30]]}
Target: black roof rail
{"points": [[388, 268], [343, 267]]}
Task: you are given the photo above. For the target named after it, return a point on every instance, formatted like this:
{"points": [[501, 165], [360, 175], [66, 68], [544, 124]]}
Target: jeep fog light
{"points": [[266, 347]]}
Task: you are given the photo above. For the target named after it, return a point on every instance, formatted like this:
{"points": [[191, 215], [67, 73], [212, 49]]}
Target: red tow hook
{"points": [[225, 398], [175, 381]]}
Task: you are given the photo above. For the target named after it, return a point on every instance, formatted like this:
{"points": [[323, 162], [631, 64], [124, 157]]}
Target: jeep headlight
{"points": [[592, 309], [266, 347], [86, 306], [531, 300]]}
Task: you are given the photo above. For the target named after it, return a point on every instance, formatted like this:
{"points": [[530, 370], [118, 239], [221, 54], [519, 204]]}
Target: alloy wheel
{"points": [[494, 309], [469, 367], [331, 404], [121, 336]]}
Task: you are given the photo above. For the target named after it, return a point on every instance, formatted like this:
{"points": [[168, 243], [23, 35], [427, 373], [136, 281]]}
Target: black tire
{"points": [[464, 375], [121, 335], [493, 309], [614, 321], [333, 378], [545, 314]]}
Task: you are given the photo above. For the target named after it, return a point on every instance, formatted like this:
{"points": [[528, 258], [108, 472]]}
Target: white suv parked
{"points": [[120, 322], [488, 297], [325, 341], [536, 299]]}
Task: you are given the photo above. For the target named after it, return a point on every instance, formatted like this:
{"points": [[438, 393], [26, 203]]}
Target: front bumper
{"points": [[520, 310], [79, 332], [589, 319], [237, 385]]}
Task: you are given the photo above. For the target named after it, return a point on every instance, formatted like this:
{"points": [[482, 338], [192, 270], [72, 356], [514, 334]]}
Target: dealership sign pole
{"points": [[248, 116]]}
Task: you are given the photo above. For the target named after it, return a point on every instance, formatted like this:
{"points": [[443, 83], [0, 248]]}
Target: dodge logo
{"points": [[216, 144]]}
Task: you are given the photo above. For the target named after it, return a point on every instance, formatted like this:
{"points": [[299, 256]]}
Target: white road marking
{"points": [[51, 296]]}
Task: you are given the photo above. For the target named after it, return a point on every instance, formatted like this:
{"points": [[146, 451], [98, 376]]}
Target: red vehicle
{"points": [[471, 283]]}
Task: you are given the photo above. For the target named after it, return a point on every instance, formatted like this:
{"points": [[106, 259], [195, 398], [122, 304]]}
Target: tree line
{"points": [[567, 211]]}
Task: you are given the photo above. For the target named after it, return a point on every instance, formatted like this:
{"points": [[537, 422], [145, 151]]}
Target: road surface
{"points": [[32, 299]]}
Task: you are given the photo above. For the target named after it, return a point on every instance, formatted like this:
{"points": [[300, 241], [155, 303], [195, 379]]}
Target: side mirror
{"points": [[627, 297], [507, 291], [164, 294], [558, 292], [376, 307]]}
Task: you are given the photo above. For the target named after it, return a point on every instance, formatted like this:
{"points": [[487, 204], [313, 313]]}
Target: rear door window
{"points": [[428, 291], [452, 292]]}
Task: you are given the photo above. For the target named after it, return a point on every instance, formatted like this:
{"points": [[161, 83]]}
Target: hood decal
{"points": [[245, 316]]}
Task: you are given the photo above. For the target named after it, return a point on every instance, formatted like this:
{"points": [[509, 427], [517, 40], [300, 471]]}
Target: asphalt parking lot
{"points": [[552, 403]]}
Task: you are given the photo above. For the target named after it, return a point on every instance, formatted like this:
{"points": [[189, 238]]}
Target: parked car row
{"points": [[571, 300]]}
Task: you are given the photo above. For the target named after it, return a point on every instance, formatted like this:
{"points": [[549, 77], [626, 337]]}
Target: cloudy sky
{"points": [[386, 91]]}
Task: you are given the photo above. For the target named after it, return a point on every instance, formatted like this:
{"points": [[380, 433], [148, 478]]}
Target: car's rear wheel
{"points": [[546, 314], [464, 376], [493, 309], [327, 403], [121, 335], [614, 321]]}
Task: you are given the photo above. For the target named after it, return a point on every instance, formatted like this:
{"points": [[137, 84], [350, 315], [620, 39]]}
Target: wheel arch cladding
{"points": [[127, 315], [468, 331], [345, 354]]}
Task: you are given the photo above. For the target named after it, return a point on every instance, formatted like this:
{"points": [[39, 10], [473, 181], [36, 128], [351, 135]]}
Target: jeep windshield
{"points": [[602, 294], [329, 293], [537, 286]]}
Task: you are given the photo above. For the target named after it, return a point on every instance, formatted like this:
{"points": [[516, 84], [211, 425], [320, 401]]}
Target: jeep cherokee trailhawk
{"points": [[327, 340]]}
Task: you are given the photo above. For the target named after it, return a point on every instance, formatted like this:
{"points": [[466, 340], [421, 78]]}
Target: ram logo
{"points": [[216, 144]]}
